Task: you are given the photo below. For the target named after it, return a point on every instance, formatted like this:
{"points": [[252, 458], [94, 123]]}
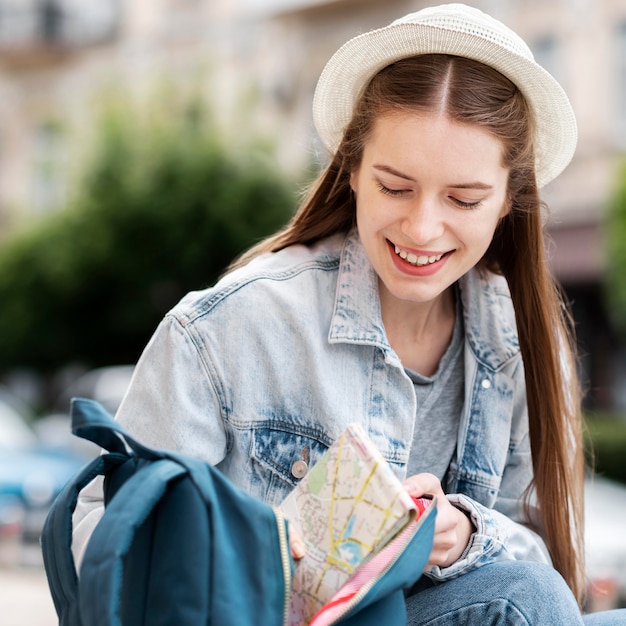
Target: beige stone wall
{"points": [[258, 66]]}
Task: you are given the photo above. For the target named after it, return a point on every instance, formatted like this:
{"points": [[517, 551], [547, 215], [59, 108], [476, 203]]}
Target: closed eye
{"points": [[390, 192], [466, 205]]}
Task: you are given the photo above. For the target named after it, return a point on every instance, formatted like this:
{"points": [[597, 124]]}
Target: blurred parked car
{"points": [[605, 539], [37, 458], [107, 385], [32, 471]]}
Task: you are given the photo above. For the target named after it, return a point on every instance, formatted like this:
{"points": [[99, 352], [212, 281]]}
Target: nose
{"points": [[423, 221]]}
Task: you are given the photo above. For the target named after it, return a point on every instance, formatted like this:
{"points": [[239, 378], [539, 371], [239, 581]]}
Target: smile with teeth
{"points": [[416, 260]]}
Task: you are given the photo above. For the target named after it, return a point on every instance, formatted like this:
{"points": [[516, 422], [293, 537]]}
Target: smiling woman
{"points": [[409, 293]]}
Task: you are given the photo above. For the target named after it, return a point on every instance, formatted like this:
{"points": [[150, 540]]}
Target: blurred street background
{"points": [[24, 597], [145, 143]]}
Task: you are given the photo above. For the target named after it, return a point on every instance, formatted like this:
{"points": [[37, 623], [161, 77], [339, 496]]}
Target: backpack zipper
{"points": [[284, 557]]}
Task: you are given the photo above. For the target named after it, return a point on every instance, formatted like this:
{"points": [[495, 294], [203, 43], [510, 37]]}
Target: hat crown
{"points": [[469, 21], [456, 30]]}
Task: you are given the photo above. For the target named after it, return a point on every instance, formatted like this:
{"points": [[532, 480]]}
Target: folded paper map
{"points": [[347, 508]]}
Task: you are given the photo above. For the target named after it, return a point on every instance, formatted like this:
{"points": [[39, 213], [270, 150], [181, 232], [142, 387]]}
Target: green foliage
{"points": [[606, 444], [615, 277], [162, 209]]}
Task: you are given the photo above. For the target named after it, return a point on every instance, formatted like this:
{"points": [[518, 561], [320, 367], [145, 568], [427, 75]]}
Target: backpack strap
{"points": [[91, 421], [56, 540]]}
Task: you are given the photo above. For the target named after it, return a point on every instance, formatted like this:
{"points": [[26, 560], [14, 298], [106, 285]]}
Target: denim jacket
{"points": [[261, 373]]}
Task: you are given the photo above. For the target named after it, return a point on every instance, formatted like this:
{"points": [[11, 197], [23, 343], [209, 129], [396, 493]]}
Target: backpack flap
{"points": [[112, 594], [250, 557]]}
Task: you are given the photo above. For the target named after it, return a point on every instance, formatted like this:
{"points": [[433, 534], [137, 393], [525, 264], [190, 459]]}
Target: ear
{"points": [[506, 206], [353, 180]]}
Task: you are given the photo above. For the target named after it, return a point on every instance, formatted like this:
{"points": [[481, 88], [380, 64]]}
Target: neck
{"points": [[419, 332]]}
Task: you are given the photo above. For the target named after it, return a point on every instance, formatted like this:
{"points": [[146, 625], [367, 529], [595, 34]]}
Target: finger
{"points": [[451, 538], [443, 545], [296, 544], [423, 484], [447, 516]]}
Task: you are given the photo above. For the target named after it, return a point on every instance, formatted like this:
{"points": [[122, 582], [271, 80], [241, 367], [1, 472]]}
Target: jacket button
{"points": [[299, 469], [486, 384]]}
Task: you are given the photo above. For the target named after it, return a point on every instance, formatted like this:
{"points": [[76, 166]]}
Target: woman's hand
{"points": [[296, 544], [453, 528]]}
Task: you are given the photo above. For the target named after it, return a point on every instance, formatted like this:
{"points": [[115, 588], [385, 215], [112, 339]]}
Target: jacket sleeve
{"points": [[502, 531], [497, 538], [170, 404]]}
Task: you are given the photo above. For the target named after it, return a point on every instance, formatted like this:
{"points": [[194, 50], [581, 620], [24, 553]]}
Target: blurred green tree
{"points": [[162, 208], [615, 230]]}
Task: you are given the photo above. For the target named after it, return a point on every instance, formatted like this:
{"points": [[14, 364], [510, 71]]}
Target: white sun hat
{"points": [[458, 30]]}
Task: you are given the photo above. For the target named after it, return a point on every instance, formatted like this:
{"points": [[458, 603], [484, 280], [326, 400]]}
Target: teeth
{"points": [[413, 259]]}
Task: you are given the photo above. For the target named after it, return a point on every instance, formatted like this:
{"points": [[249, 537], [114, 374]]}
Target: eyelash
{"points": [[390, 192], [394, 193], [467, 205]]}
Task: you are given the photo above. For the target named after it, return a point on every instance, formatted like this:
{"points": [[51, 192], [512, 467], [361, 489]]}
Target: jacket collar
{"points": [[489, 319], [357, 317]]}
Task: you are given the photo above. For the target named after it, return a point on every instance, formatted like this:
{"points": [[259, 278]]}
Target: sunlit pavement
{"points": [[24, 597]]}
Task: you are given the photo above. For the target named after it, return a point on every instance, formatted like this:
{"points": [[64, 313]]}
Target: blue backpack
{"points": [[180, 545]]}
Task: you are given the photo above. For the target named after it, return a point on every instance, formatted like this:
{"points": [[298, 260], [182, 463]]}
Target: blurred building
{"points": [[258, 61], [42, 46]]}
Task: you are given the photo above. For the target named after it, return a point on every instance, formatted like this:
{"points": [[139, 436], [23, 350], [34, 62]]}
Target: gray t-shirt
{"points": [[439, 406]]}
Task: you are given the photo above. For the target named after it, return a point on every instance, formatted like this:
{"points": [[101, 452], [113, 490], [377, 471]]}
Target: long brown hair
{"points": [[470, 92]]}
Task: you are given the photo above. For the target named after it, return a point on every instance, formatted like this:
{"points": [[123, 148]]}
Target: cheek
{"points": [[478, 233], [364, 223], [366, 214], [369, 226]]}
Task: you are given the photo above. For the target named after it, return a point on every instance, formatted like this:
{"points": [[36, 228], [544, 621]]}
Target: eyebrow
{"points": [[394, 172]]}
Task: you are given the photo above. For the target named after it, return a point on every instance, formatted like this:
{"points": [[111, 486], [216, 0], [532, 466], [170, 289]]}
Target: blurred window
{"points": [[90, 21], [30, 22], [51, 19], [48, 184], [620, 82], [17, 21]]}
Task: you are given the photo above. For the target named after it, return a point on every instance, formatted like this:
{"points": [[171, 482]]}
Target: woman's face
{"points": [[429, 195]]}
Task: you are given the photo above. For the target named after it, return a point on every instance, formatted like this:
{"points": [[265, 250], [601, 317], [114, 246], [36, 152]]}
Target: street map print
{"points": [[347, 508]]}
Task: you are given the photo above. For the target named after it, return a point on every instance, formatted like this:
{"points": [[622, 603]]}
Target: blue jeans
{"points": [[506, 593]]}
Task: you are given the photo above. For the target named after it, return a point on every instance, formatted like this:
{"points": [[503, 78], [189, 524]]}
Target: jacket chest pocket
{"points": [[282, 458]]}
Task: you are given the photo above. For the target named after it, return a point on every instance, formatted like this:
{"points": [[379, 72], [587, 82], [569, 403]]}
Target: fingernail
{"points": [[297, 549]]}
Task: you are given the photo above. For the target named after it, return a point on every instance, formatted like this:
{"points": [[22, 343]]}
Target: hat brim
{"points": [[351, 68]]}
